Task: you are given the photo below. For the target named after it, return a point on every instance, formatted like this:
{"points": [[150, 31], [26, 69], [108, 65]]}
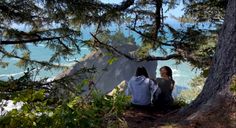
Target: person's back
{"points": [[166, 85], [140, 88], [165, 97]]}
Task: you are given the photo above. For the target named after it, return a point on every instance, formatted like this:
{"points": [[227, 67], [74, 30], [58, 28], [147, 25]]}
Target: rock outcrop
{"points": [[108, 76]]}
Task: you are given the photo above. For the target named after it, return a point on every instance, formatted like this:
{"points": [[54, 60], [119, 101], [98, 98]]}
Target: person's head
{"points": [[166, 71], [141, 71]]}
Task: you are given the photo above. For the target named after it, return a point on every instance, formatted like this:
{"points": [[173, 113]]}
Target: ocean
{"points": [[182, 73]]}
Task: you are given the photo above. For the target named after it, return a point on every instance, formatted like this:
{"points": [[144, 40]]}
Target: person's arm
{"points": [[154, 80], [128, 90], [153, 88]]}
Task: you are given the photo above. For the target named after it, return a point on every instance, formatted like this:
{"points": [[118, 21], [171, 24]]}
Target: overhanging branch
{"points": [[180, 54], [148, 58], [7, 42], [42, 63], [151, 38]]}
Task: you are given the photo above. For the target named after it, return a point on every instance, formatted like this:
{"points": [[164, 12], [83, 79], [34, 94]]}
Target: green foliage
{"points": [[205, 17], [116, 38], [196, 86], [180, 102], [198, 81], [112, 60], [22, 62], [206, 11], [144, 50], [190, 94], [57, 24], [41, 108], [233, 84], [93, 112]]}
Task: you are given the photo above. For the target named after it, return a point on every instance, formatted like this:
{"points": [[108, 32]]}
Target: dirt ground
{"points": [[140, 118], [151, 118]]}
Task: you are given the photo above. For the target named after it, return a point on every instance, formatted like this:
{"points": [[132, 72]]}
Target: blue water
{"points": [[182, 73], [39, 53]]}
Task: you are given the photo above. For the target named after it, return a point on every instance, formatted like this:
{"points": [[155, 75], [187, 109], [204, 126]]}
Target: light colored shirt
{"points": [[141, 89]]}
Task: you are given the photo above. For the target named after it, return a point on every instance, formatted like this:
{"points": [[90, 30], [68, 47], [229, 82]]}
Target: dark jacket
{"points": [[165, 97]]}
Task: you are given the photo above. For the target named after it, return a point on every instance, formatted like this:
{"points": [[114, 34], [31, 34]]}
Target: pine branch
{"points": [[28, 41], [124, 5], [181, 53], [149, 37], [42, 63], [148, 58]]}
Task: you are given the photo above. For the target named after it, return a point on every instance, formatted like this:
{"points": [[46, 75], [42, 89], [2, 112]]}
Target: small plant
{"points": [[180, 102], [233, 84]]}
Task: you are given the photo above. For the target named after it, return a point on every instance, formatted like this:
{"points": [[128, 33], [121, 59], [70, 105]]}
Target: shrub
{"points": [[196, 85], [42, 108]]}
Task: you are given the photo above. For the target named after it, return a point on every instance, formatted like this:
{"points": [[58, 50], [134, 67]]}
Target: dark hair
{"points": [[169, 72], [141, 71]]}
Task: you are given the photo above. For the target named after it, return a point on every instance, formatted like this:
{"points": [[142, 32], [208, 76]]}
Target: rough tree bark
{"points": [[223, 66]]}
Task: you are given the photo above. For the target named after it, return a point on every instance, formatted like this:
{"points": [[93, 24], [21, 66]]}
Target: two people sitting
{"points": [[146, 91]]}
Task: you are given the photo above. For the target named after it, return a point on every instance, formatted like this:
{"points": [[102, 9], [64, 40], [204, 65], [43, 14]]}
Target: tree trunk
{"points": [[223, 67]]}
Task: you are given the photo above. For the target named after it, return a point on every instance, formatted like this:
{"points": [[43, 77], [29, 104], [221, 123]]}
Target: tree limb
{"points": [[158, 4], [7, 42], [124, 5], [148, 58], [42, 63], [181, 53], [149, 37]]}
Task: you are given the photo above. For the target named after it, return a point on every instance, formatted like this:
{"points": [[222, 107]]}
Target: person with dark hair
{"points": [[166, 85], [141, 71], [141, 88]]}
